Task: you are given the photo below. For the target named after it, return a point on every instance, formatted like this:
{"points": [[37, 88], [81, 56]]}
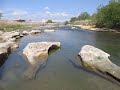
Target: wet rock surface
{"points": [[36, 54], [7, 44], [98, 60]]}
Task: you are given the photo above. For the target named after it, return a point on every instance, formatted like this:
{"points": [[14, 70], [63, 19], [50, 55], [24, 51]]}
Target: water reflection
{"points": [[110, 43], [100, 74]]}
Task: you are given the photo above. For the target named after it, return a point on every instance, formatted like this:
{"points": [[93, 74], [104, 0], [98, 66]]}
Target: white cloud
{"points": [[63, 14], [47, 12], [19, 13], [42, 15], [43, 20], [1, 11], [46, 8]]}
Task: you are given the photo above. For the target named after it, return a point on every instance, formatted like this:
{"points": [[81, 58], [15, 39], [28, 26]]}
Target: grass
{"points": [[14, 25]]}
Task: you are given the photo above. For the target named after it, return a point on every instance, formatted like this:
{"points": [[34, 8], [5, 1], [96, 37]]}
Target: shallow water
{"points": [[61, 71]]}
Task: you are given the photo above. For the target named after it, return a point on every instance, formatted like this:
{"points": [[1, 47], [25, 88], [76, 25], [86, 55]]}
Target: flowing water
{"points": [[61, 71]]}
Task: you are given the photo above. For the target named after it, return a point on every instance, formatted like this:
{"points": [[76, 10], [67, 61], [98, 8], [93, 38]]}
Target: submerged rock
{"points": [[36, 54], [98, 60]]}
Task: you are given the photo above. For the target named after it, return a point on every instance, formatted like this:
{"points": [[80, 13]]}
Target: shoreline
{"points": [[93, 28]]}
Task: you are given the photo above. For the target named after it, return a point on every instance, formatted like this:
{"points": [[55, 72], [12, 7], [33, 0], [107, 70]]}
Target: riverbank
{"points": [[9, 39], [14, 25], [94, 28]]}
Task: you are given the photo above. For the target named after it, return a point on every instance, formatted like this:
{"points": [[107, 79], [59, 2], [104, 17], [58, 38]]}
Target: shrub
{"points": [[49, 21], [109, 16]]}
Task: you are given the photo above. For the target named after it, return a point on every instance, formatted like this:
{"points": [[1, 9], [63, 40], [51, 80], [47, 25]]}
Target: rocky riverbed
{"points": [[8, 42]]}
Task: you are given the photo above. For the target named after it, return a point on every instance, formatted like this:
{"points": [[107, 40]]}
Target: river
{"points": [[62, 70]]}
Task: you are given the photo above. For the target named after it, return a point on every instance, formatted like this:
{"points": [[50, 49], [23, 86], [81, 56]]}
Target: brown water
{"points": [[61, 71]]}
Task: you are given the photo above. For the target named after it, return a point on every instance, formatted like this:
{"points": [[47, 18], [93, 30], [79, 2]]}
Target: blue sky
{"points": [[41, 10]]}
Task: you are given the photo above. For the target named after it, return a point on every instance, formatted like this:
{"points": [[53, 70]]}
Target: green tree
{"points": [[109, 15], [73, 19], [84, 16], [49, 21], [66, 22], [93, 19], [111, 1]]}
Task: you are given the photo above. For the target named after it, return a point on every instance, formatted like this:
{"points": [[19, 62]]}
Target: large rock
{"points": [[98, 60], [11, 34], [5, 49], [8, 35], [7, 44], [36, 54]]}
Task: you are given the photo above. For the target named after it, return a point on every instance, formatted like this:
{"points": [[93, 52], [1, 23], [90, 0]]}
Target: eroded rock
{"points": [[98, 60], [36, 54]]}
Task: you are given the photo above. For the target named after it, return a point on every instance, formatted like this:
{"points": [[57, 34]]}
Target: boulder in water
{"points": [[98, 60], [36, 54]]}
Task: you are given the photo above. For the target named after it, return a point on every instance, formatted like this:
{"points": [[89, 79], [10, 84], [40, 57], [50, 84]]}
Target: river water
{"points": [[62, 70]]}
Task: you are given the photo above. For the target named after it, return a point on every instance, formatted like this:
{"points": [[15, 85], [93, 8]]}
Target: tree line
{"points": [[106, 16]]}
